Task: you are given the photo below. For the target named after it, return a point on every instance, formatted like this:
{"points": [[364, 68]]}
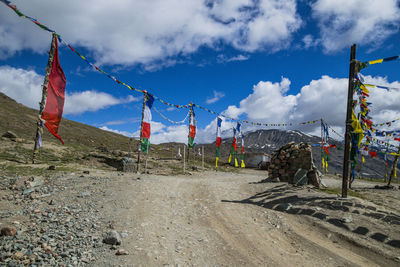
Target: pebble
{"points": [[8, 231], [112, 238], [121, 252]]}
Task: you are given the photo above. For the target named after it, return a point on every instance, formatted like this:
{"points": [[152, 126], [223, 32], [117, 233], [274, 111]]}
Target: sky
{"points": [[267, 61]]}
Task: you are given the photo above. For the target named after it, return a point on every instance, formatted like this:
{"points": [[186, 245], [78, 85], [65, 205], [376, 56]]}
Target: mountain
{"points": [[267, 141]]}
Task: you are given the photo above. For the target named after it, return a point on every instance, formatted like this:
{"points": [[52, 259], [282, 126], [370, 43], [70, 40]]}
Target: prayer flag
{"points": [[146, 129], [192, 127], [219, 122], [53, 109]]}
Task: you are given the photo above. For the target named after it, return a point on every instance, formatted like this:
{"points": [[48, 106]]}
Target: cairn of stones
{"points": [[293, 163]]}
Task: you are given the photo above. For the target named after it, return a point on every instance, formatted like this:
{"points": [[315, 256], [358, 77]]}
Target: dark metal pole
{"points": [[345, 182], [44, 93]]}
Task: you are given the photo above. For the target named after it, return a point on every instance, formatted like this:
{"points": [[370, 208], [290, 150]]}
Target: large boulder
{"points": [[293, 163], [127, 165]]}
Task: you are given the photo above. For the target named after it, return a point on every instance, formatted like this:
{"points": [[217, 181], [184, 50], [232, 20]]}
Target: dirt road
{"points": [[217, 219]]}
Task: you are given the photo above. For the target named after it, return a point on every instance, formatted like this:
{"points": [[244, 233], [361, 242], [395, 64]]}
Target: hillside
{"points": [[22, 120]]}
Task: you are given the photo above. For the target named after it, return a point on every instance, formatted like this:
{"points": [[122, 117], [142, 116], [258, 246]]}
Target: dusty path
{"points": [[199, 221]]}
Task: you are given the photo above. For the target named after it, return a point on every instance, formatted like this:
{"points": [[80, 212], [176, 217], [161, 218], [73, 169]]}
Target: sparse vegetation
{"points": [[338, 191]]}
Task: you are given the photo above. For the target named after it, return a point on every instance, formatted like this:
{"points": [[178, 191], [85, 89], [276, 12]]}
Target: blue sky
{"points": [[267, 61]]}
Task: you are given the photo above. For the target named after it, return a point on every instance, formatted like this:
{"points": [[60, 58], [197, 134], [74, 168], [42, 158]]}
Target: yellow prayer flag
{"points": [[236, 163], [365, 90], [375, 61], [230, 158], [242, 165], [216, 162], [363, 159], [356, 124]]}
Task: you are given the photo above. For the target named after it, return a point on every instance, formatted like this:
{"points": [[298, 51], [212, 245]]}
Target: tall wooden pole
{"points": [[44, 94], [141, 129], [394, 166], [345, 182]]}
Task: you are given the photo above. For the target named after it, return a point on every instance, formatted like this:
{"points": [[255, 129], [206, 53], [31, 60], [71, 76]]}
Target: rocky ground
{"points": [[207, 218]]}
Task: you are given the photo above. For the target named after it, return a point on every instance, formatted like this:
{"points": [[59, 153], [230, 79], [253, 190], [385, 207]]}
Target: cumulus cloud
{"points": [[25, 86], [343, 22], [217, 96], [322, 98], [130, 32], [80, 102], [268, 102]]}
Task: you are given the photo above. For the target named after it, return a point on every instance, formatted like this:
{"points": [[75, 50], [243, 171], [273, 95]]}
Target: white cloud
{"points": [[130, 32], [268, 102], [25, 86], [323, 98], [222, 58], [309, 41], [217, 96], [77, 103], [344, 22]]}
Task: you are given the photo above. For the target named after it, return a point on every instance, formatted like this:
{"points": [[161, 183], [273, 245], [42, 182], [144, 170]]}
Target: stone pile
{"points": [[293, 163]]}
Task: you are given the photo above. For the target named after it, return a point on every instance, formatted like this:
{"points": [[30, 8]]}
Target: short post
{"points": [[394, 166], [147, 155], [202, 157], [184, 159]]}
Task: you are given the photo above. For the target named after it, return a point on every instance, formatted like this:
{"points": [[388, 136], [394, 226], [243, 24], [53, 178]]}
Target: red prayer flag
{"points": [[372, 154], [53, 110], [146, 130], [192, 131], [397, 139]]}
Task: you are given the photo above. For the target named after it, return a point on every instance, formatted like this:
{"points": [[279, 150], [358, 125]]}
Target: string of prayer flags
{"points": [[146, 129], [171, 121], [219, 139], [192, 127], [53, 109], [388, 123], [132, 88]]}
